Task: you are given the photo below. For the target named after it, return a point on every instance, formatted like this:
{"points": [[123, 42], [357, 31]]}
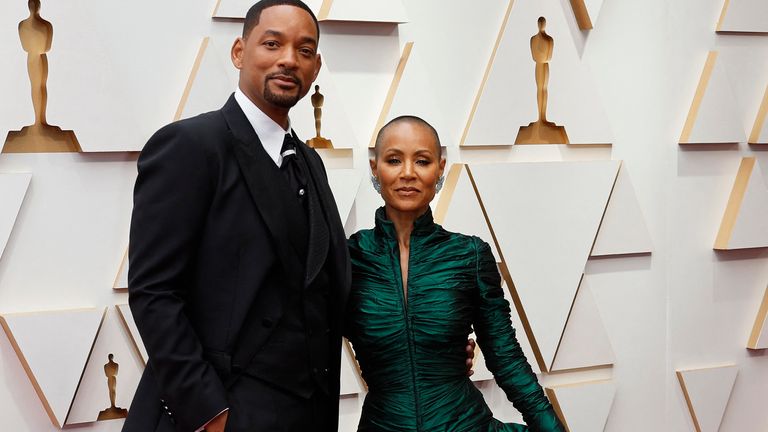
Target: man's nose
{"points": [[288, 58]]}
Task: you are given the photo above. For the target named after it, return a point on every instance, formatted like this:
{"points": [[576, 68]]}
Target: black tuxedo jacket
{"points": [[210, 226]]}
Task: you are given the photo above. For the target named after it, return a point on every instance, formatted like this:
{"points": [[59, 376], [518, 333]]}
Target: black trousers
{"points": [[256, 406]]}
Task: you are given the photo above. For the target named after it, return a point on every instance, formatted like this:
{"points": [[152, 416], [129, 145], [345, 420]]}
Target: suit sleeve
{"points": [[502, 352], [174, 188]]}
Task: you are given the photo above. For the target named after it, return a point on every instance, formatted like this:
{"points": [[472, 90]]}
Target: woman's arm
{"points": [[502, 352]]}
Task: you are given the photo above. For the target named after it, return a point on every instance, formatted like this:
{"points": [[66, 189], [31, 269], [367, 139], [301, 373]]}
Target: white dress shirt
{"points": [[270, 133]]}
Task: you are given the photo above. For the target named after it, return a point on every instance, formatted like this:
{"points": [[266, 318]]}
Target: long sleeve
{"points": [[174, 188], [502, 352]]}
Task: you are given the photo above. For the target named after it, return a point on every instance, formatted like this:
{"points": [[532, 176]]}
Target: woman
{"points": [[417, 291]]}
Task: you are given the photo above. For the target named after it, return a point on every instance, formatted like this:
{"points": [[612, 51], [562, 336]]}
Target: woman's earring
{"points": [[376, 184], [439, 184]]}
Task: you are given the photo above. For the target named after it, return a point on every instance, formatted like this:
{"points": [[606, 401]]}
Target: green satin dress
{"points": [[412, 352]]}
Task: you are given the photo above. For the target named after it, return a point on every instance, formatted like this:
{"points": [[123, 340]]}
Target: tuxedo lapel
{"points": [[319, 240], [269, 192]]}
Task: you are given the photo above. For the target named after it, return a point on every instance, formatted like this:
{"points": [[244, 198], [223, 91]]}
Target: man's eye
{"points": [[307, 52], [271, 44]]}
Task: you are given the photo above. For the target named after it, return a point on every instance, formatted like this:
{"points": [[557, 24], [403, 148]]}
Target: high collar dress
{"points": [[411, 347]]}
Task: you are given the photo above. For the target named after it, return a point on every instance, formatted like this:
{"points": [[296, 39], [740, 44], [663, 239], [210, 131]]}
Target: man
{"points": [[238, 264]]}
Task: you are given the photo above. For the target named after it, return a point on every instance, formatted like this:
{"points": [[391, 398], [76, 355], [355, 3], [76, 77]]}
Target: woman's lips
{"points": [[407, 191]]}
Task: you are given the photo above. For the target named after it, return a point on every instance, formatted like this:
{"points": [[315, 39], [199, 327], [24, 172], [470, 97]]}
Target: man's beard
{"points": [[284, 100]]}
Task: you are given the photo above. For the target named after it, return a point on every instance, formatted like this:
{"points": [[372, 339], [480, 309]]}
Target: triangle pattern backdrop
{"points": [[586, 12], [585, 342], [623, 229], [237, 9], [415, 95], [335, 123], [121, 280], [53, 347], [713, 117], [759, 133], [392, 91], [583, 407], [545, 247], [130, 326], [13, 189], [93, 392], [210, 81], [458, 209], [747, 16], [707, 392], [391, 11], [344, 184], [507, 98], [758, 339], [351, 382], [744, 223]]}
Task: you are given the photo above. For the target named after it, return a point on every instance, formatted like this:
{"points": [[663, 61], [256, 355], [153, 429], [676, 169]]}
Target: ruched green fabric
{"points": [[411, 350]]}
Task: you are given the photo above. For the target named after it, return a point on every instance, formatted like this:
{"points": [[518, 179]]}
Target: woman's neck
{"points": [[404, 223]]}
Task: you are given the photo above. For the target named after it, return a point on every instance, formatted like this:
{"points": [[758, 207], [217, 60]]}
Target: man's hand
{"points": [[470, 349], [218, 423]]}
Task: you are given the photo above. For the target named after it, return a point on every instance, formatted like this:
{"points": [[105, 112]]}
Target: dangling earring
{"points": [[439, 184], [376, 184]]}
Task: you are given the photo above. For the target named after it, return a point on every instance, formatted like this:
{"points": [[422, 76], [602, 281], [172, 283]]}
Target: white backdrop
{"points": [[117, 72]]}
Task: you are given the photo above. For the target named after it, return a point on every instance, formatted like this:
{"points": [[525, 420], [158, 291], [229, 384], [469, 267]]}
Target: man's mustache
{"points": [[284, 75]]}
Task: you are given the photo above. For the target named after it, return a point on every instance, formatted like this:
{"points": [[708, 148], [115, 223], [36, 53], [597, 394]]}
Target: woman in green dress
{"points": [[417, 292]]}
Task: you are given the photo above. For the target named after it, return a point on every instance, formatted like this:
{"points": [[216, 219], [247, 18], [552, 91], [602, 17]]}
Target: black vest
{"points": [[295, 357]]}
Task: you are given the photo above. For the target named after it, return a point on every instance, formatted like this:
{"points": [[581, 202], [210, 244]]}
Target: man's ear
{"points": [[237, 52]]}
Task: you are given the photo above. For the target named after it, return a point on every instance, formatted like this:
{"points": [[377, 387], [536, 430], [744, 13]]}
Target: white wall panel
{"points": [[13, 189], [623, 229], [53, 347], [93, 392], [584, 406], [707, 391], [545, 217], [585, 342], [744, 16], [508, 100]]}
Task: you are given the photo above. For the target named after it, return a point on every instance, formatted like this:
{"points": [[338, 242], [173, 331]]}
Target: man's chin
{"points": [[284, 100]]}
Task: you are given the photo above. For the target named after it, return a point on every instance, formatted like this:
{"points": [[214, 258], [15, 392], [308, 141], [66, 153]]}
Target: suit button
{"points": [[301, 192], [266, 322], [325, 371]]}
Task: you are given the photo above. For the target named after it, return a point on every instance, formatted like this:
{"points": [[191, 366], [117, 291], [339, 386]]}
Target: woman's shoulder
{"points": [[360, 240], [461, 240]]}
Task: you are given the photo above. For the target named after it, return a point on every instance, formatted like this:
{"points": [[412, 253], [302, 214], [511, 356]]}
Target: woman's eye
{"points": [[423, 162], [393, 161]]}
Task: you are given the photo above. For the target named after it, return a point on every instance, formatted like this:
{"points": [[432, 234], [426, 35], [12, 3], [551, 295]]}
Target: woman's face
{"points": [[408, 165]]}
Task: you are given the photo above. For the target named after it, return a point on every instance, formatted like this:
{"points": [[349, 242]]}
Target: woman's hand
{"points": [[470, 350]]}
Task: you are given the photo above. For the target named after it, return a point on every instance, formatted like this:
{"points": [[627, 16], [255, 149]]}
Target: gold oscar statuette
{"points": [[317, 103], [36, 38], [542, 131], [113, 412]]}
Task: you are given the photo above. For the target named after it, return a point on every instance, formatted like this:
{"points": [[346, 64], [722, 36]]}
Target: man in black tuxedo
{"points": [[239, 271]]}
